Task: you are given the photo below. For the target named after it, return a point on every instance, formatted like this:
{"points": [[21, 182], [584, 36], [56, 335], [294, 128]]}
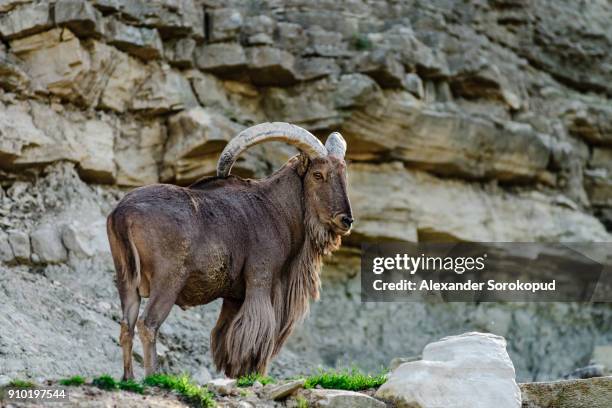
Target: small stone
{"points": [[325, 43], [6, 253], [221, 59], [108, 6], [590, 371], [102, 306], [12, 76], [177, 18], [79, 16], [259, 30], [20, 244], [209, 90], [315, 67], [590, 121], [196, 131], [260, 24], [356, 90], [601, 159], [24, 20], [260, 39], [97, 162], [297, 104], [144, 43], [222, 386], [270, 66], [179, 53], [291, 37], [4, 380], [8, 5], [414, 85], [323, 398], [224, 24], [383, 66], [281, 391], [47, 244], [70, 60], [76, 241], [166, 90], [128, 75]]}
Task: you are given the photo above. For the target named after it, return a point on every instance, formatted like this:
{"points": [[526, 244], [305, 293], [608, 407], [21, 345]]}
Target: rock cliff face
{"points": [[477, 121]]}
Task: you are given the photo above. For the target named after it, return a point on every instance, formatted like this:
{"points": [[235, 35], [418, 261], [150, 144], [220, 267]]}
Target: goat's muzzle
{"points": [[347, 221], [342, 223]]}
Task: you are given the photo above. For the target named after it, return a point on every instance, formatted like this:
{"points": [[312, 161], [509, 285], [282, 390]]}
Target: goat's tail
{"points": [[125, 254]]}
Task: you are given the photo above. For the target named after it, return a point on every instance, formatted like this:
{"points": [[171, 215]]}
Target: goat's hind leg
{"points": [[158, 307], [130, 305]]}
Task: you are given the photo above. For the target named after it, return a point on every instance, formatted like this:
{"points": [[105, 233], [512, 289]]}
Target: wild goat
{"points": [[257, 244]]}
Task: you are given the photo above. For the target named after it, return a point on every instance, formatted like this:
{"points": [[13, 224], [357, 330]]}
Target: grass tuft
{"points": [[182, 384], [131, 385], [73, 381], [22, 384], [351, 380], [249, 379], [105, 382], [301, 402]]}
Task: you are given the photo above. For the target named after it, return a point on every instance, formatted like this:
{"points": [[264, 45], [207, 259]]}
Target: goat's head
{"points": [[325, 186], [323, 169]]}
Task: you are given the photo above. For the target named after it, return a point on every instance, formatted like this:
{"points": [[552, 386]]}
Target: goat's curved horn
{"points": [[335, 145], [264, 132]]}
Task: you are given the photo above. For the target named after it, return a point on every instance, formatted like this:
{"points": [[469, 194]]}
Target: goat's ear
{"points": [[302, 165]]}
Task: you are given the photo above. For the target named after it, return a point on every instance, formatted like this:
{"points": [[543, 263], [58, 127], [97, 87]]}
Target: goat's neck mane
{"points": [[303, 276]]}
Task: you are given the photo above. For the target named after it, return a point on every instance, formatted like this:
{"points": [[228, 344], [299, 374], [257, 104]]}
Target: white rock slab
{"points": [[472, 370]]}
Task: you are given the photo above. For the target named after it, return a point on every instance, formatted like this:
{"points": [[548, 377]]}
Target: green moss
{"points": [[183, 385], [248, 380], [361, 42], [352, 380], [73, 381], [105, 382], [131, 385], [22, 384]]}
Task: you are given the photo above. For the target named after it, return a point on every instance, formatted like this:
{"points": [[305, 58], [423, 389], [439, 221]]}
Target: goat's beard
{"points": [[322, 237]]}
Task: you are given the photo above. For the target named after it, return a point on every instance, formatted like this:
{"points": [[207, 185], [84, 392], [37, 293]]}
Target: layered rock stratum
{"points": [[466, 121]]}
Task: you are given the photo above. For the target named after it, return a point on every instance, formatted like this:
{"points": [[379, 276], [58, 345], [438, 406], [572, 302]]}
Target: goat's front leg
{"points": [[250, 337], [218, 336]]}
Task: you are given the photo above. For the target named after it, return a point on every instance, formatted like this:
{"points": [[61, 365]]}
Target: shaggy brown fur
{"points": [[258, 244]]}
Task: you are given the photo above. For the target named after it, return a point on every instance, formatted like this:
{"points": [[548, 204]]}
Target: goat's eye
{"points": [[318, 176]]}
